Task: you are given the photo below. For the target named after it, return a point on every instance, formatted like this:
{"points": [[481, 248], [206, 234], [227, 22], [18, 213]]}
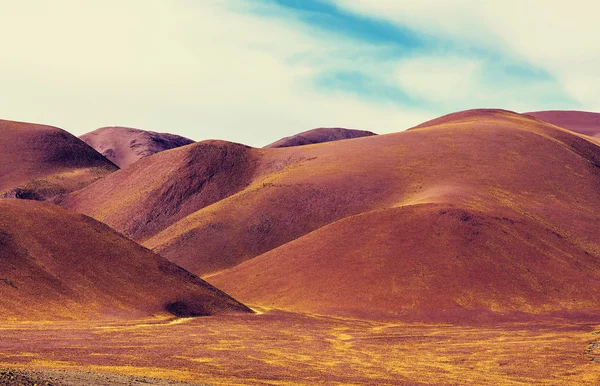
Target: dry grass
{"points": [[281, 348]]}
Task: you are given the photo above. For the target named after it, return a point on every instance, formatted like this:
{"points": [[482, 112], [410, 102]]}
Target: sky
{"points": [[253, 71]]}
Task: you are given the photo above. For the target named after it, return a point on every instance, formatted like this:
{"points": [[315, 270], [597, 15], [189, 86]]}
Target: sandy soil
{"points": [[280, 348]]}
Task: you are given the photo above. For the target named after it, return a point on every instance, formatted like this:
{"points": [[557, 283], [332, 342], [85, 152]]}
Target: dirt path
{"points": [[12, 377]]}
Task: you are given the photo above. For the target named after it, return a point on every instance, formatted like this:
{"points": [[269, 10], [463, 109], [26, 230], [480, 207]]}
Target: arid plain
{"points": [[464, 250]]}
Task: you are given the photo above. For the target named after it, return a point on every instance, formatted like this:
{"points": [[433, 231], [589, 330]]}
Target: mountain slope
{"points": [[320, 135], [58, 264], [499, 163], [493, 217], [423, 262], [578, 121], [500, 190], [260, 199], [38, 162], [124, 146], [156, 191]]}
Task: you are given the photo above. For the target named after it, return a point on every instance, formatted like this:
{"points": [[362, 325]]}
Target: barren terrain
{"points": [[462, 251], [280, 348]]}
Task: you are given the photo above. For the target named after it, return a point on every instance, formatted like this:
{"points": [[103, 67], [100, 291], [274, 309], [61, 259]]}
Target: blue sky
{"points": [[252, 71], [499, 70]]}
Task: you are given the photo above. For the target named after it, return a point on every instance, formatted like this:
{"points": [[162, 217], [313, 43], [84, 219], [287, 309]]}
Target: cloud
{"points": [[556, 36], [254, 71], [200, 69], [419, 64]]}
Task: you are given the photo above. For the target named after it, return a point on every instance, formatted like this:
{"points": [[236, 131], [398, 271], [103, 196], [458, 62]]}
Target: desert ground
{"points": [[461, 251], [280, 348]]}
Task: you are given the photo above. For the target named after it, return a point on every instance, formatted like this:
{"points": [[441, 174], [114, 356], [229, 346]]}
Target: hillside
{"points": [[320, 135], [156, 191], [58, 264], [39, 162], [424, 262], [477, 214], [260, 199], [124, 146], [578, 121]]}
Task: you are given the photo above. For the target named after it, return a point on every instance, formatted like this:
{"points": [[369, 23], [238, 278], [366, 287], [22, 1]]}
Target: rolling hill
{"points": [[320, 135], [124, 146], [578, 121], [39, 162], [424, 262], [498, 182], [156, 191], [486, 214], [58, 264]]}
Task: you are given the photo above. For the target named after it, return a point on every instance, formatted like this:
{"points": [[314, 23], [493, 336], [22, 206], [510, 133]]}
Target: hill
{"points": [[156, 191], [39, 162], [424, 262], [578, 121], [320, 135], [124, 146], [479, 214], [58, 264], [274, 196]]}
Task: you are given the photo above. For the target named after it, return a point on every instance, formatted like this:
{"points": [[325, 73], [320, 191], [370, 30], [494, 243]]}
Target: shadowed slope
{"points": [[57, 264], [124, 146], [578, 121], [320, 135], [38, 162], [156, 191]]}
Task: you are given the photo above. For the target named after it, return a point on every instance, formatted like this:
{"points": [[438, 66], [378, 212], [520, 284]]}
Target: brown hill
{"points": [[153, 193], [124, 146], [58, 264], [578, 121], [320, 135], [424, 262], [277, 195], [479, 212], [38, 162]]}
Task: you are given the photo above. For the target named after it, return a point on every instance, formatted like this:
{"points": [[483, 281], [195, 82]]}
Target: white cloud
{"points": [[199, 69], [213, 69], [559, 36]]}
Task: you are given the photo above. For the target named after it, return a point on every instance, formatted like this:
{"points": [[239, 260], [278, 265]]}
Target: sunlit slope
{"points": [[427, 262], [212, 205], [38, 162], [488, 215], [491, 161], [320, 135], [124, 146], [583, 122], [57, 264]]}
